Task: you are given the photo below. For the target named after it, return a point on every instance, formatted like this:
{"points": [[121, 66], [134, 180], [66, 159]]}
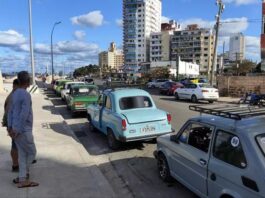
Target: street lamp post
{"points": [[56, 23], [31, 44]]}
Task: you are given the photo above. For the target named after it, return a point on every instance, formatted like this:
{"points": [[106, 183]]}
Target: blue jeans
{"points": [[26, 153]]}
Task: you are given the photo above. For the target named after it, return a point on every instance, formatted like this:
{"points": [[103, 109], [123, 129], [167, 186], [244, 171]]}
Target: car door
{"points": [[191, 91], [190, 155], [106, 113], [229, 169], [182, 92], [97, 112]]}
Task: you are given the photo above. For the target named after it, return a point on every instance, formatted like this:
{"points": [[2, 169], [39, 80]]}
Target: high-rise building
{"points": [[237, 47], [113, 58], [140, 18], [160, 41], [194, 44], [262, 37]]}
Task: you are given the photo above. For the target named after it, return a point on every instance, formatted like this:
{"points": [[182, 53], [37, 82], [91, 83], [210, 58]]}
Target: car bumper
{"points": [[146, 137]]}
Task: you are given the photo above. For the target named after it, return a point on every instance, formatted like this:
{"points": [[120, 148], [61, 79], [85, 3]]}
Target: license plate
{"points": [[148, 129]]}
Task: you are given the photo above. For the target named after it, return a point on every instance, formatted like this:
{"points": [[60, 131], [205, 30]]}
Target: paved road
{"points": [[131, 171]]}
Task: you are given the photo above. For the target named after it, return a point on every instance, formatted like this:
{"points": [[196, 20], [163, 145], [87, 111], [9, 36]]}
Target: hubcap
{"points": [[162, 168]]}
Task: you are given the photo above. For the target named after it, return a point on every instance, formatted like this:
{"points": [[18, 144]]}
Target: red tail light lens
{"points": [[78, 103], [123, 124], [169, 118], [205, 91]]}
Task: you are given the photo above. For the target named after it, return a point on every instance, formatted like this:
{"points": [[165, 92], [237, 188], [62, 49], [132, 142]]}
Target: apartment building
{"points": [[140, 19], [194, 44], [160, 41], [237, 47], [112, 58]]}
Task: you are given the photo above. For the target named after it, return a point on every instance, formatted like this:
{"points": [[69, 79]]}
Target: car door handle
{"points": [[213, 177], [203, 162]]}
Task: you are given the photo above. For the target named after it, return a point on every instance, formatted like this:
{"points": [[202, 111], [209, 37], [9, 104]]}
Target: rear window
{"points": [[206, 86], [261, 142], [84, 91], [135, 102]]}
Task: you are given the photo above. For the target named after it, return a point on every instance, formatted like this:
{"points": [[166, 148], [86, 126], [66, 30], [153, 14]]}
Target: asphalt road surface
{"points": [[132, 170]]}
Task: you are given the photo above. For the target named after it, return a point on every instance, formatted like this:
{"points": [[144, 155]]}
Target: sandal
{"points": [[16, 180], [26, 185]]}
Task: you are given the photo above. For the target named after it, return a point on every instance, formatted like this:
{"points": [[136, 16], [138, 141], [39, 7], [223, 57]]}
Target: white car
{"points": [[67, 87], [156, 83], [195, 92]]}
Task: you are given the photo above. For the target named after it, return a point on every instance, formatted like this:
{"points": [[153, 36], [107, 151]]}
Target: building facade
{"points": [[140, 18], [113, 58], [195, 45], [160, 41], [237, 47]]}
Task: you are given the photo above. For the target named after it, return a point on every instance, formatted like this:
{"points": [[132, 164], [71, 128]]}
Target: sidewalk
{"points": [[64, 168], [228, 100]]}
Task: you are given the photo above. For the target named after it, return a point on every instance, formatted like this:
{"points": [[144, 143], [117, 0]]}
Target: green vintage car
{"points": [[80, 97], [59, 85]]}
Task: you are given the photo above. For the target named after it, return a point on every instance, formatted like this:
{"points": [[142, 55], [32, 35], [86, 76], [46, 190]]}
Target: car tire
{"points": [[73, 114], [211, 101], [163, 168], [113, 143], [194, 99], [176, 96]]}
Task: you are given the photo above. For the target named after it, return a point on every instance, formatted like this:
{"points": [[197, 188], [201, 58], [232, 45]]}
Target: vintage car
{"points": [[66, 90], [217, 156], [59, 85], [80, 97], [126, 115]]}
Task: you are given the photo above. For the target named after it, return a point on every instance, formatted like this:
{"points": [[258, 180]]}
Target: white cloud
{"points": [[165, 19], [233, 25], [119, 22], [252, 47], [79, 34], [201, 22], [91, 19], [11, 38], [241, 2]]}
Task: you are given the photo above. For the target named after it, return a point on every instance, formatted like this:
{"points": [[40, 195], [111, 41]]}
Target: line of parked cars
{"points": [[221, 155]]}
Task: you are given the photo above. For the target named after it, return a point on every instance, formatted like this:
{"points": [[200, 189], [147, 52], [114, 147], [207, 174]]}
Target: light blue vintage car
{"points": [[126, 115]]}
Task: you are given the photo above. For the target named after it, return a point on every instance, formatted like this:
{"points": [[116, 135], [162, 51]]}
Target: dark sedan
{"points": [[169, 87]]}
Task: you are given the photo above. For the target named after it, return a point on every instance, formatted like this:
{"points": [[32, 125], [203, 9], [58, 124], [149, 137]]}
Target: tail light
{"points": [[205, 91], [78, 103], [169, 118], [123, 124]]}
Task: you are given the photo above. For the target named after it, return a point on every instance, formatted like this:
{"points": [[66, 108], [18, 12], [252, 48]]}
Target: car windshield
{"points": [[205, 86], [85, 91], [261, 142], [135, 102]]}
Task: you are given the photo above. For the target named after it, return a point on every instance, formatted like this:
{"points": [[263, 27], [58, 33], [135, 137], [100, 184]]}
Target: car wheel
{"points": [[210, 101], [113, 143], [194, 99], [163, 168], [176, 96], [168, 93]]}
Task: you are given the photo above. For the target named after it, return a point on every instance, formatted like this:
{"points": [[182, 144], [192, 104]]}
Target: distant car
{"points": [[126, 115], [156, 83], [66, 90], [59, 85], [196, 92], [80, 97], [169, 87], [217, 156]]}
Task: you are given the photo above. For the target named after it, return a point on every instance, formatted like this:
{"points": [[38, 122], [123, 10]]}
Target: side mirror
{"points": [[173, 138]]}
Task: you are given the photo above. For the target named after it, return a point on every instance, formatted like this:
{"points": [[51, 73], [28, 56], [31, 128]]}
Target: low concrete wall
{"points": [[237, 86]]}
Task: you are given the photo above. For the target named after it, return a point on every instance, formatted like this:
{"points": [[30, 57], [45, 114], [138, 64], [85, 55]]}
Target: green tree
{"points": [[243, 68], [160, 72], [86, 70]]}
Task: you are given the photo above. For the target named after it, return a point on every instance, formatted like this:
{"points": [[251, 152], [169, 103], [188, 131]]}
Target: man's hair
{"points": [[23, 77], [15, 82]]}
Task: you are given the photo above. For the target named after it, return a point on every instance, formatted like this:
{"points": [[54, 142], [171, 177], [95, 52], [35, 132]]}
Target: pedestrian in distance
{"points": [[20, 123], [13, 152]]}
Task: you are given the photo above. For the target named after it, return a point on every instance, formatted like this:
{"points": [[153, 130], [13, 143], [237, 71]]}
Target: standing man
{"points": [[13, 152], [20, 123]]}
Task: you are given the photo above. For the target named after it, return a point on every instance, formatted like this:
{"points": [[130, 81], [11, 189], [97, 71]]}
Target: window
{"points": [[227, 147], [100, 100], [261, 142], [197, 135], [108, 103], [135, 102]]}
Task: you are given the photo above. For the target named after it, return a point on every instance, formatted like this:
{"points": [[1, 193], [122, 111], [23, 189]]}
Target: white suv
{"points": [[195, 92]]}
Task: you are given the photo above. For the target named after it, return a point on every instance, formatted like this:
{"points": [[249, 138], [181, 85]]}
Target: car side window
{"points": [[197, 135], [108, 103], [193, 86], [227, 147], [100, 100]]}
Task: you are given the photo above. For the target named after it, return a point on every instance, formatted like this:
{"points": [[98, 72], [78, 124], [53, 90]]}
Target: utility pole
{"points": [[223, 62], [31, 44], [218, 17]]}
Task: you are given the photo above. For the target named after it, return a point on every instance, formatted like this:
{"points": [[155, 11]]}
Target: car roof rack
{"points": [[235, 112]]}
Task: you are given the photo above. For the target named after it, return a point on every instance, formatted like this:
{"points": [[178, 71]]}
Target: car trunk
{"points": [[141, 115]]}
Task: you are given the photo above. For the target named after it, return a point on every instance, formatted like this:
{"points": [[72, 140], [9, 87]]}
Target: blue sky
{"points": [[88, 26]]}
